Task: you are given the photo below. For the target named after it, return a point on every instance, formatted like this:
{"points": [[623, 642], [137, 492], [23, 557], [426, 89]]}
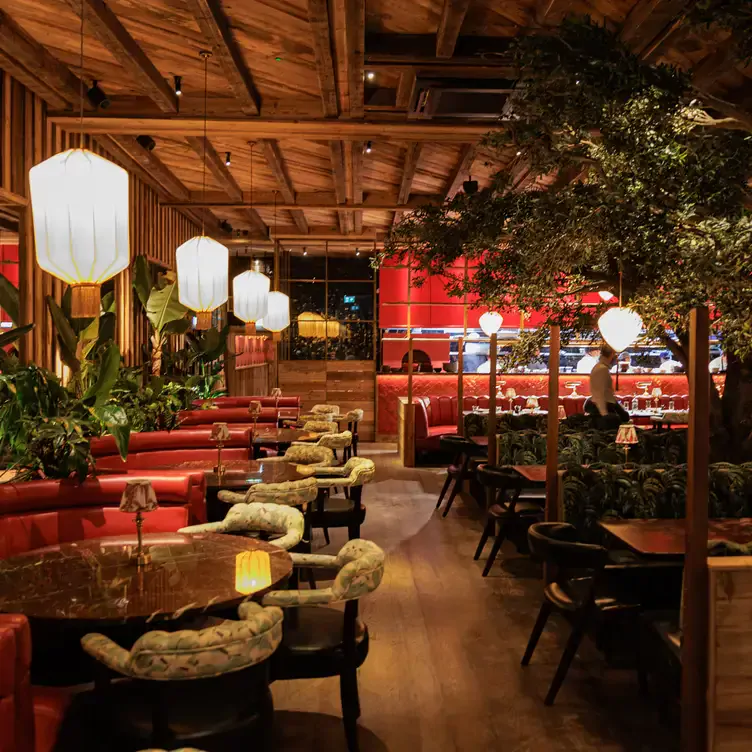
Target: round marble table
{"points": [[97, 582]]}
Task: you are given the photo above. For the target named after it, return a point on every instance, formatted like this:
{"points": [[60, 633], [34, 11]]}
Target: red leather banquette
{"points": [[286, 402], [46, 512], [236, 415], [152, 441], [29, 716]]}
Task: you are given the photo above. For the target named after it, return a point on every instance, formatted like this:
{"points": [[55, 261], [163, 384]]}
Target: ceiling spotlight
{"points": [[228, 161], [97, 97], [370, 75], [178, 86], [147, 142], [305, 253], [357, 252], [369, 147], [225, 226], [519, 152]]}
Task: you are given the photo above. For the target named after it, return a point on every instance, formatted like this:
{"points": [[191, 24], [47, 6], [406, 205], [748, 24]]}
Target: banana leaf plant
{"points": [[10, 301]]}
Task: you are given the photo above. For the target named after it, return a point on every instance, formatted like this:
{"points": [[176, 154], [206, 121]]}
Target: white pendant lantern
{"points": [[605, 295], [79, 202], [620, 327], [250, 298], [277, 313], [202, 276], [490, 322]]}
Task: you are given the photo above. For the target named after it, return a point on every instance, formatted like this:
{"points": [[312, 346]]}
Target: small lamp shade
{"points": [[562, 412], [657, 392], [220, 432], [532, 403], [254, 408], [627, 434], [277, 312], [202, 276], [490, 322], [250, 296], [253, 572], [79, 203], [138, 496], [276, 392], [511, 393], [620, 327]]}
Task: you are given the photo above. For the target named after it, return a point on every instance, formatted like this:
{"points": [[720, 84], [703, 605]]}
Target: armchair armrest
{"points": [[106, 651], [293, 598], [337, 470], [232, 497], [314, 560], [206, 527]]}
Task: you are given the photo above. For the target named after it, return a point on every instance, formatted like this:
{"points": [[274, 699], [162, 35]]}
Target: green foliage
{"points": [[9, 299], [734, 15], [156, 407]]}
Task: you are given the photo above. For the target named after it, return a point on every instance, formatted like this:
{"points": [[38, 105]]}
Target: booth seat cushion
{"points": [[195, 438], [266, 401], [191, 418], [171, 457]]}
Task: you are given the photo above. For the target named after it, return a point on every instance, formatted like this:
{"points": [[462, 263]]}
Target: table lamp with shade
{"points": [[138, 496], [657, 394], [511, 395], [532, 403], [220, 433], [254, 410], [562, 413], [627, 436]]}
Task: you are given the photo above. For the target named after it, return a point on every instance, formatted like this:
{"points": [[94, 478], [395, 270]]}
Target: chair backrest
{"points": [[188, 654], [556, 543], [292, 493], [336, 440], [458, 445], [493, 476], [358, 471], [310, 454], [320, 426], [355, 416], [331, 409]]}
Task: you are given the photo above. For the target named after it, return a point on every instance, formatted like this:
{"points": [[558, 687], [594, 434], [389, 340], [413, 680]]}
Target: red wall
{"points": [[9, 269]]}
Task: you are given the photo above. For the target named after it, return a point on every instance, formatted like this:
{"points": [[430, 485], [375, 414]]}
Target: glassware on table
{"points": [[636, 403], [671, 405], [511, 395], [517, 409], [657, 394]]}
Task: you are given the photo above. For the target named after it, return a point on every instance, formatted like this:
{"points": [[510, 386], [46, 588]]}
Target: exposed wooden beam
{"points": [[317, 232], [650, 23], [9, 198], [551, 12], [222, 175], [461, 170], [32, 65], [258, 128], [318, 18], [337, 156], [277, 165], [412, 155], [356, 45], [124, 48], [452, 16], [216, 28], [357, 183]]}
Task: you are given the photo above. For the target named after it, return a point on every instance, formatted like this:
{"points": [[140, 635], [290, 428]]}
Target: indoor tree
{"points": [[616, 174]]}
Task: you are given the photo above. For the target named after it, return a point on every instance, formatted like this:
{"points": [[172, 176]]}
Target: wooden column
{"points": [[695, 602], [460, 387], [552, 432], [492, 453]]}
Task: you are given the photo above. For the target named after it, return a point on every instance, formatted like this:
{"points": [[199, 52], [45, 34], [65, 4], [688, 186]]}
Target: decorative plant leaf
{"points": [[9, 299], [115, 419], [179, 326], [8, 338], [163, 307], [108, 374], [66, 336], [108, 303], [107, 323], [142, 280]]}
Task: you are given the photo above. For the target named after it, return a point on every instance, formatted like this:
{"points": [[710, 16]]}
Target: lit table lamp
{"points": [[626, 436], [532, 403], [657, 393], [644, 385], [276, 393], [138, 496], [562, 413], [573, 386], [220, 433], [254, 410], [511, 394], [253, 572]]}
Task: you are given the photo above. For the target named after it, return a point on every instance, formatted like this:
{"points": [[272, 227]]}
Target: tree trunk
{"points": [[731, 414]]}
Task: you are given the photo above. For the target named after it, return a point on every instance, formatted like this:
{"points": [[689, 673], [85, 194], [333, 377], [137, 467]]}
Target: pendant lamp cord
{"points": [[620, 287], [252, 144], [203, 177], [81, 82]]}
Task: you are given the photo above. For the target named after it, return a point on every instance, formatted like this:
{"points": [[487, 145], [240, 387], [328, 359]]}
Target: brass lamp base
{"points": [[204, 320], [85, 301], [250, 328]]}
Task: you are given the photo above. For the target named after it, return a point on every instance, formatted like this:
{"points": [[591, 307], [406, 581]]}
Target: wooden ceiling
{"points": [[315, 98]]}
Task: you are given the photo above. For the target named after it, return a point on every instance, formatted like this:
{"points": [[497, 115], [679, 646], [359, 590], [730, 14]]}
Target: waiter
{"points": [[602, 405]]}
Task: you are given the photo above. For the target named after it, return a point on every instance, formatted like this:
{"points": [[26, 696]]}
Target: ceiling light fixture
{"points": [[97, 97], [370, 75], [620, 326], [228, 161], [178, 86], [490, 322], [369, 147], [147, 142]]}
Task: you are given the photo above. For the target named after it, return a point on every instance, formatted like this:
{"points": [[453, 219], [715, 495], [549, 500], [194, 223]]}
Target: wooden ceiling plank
{"points": [[318, 18], [278, 167], [379, 201], [124, 48], [412, 155], [357, 184], [216, 28], [405, 89], [714, 65], [461, 170], [337, 157], [64, 88], [452, 16], [31, 82], [355, 37]]}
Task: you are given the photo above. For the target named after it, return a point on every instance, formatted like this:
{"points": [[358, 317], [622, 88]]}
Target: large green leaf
{"points": [[107, 323], [67, 338], [142, 280], [108, 303], [164, 307], [211, 345], [115, 419], [179, 326], [7, 338], [9, 299], [100, 390]]}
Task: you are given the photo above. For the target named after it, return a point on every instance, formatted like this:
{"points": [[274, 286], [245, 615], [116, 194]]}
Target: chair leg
{"points": [[353, 531], [575, 638], [326, 536], [502, 534], [348, 687], [444, 490], [540, 623], [487, 530]]}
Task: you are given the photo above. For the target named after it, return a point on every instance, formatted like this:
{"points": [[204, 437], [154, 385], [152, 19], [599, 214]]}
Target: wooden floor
{"points": [[443, 673]]}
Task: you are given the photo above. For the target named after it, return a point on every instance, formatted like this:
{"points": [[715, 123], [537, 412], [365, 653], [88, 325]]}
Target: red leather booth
{"points": [[47, 512], [29, 716], [232, 415], [195, 438], [221, 402]]}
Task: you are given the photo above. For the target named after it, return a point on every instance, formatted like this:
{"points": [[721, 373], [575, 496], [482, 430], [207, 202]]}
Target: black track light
{"points": [[369, 147], [225, 226], [97, 97], [147, 142], [470, 187], [178, 86], [228, 161]]}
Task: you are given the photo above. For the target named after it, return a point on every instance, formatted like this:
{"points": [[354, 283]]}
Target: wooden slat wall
{"points": [[347, 383], [27, 138]]}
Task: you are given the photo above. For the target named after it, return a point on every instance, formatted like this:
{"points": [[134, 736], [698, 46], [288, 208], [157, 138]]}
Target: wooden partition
{"points": [[347, 383]]}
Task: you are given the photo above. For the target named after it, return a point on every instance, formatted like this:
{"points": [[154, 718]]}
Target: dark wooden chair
{"points": [[577, 591], [353, 419], [320, 641], [514, 510], [466, 455]]}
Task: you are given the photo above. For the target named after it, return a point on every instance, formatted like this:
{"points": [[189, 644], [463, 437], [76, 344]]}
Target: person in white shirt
{"points": [[669, 365], [718, 364], [587, 362], [602, 405]]}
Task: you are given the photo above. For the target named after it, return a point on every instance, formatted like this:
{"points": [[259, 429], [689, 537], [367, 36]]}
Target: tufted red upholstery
{"points": [[192, 418], [195, 438], [29, 717], [286, 402], [169, 458], [46, 512]]}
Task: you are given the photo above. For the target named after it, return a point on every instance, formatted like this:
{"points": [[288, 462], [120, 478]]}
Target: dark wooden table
{"points": [[666, 537], [271, 437], [481, 441], [532, 473]]}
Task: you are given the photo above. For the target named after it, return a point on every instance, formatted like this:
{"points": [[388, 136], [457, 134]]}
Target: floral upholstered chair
{"points": [[278, 519], [226, 660], [293, 493], [325, 641], [355, 472], [320, 426], [305, 453], [332, 441], [327, 409], [353, 418]]}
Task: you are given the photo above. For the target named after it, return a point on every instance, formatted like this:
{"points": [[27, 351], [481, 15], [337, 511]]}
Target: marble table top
{"points": [[98, 581]]}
